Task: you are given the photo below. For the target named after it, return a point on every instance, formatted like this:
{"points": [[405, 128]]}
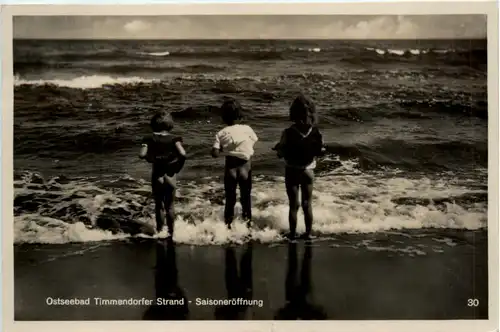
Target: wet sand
{"points": [[320, 280]]}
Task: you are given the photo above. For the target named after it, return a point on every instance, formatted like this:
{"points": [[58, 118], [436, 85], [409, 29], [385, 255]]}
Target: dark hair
{"points": [[231, 111], [303, 111], [162, 121]]}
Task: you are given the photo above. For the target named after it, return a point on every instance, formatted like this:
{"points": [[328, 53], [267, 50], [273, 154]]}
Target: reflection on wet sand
{"points": [[170, 302], [238, 286], [298, 292]]}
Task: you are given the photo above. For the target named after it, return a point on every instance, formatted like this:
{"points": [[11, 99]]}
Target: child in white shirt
{"points": [[236, 141]]}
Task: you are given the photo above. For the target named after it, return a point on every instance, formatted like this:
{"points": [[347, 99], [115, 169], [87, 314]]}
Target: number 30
{"points": [[473, 302]]}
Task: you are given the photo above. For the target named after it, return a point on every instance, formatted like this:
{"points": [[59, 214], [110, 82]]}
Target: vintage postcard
{"points": [[335, 163]]}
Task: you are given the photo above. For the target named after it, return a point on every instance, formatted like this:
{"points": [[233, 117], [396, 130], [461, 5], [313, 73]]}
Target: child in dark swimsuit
{"points": [[236, 141], [300, 144], [167, 156]]}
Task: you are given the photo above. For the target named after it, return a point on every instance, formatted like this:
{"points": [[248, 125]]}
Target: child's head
{"points": [[303, 111], [162, 121], [231, 111]]}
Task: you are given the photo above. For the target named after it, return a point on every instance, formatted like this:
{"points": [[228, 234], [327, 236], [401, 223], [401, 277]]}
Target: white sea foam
{"points": [[156, 53], [85, 82], [401, 52], [344, 202], [442, 51], [33, 228], [397, 52]]}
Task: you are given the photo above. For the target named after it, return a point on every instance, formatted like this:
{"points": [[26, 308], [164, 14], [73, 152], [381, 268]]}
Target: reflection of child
{"points": [[300, 144], [236, 141], [171, 302], [298, 289], [167, 156]]}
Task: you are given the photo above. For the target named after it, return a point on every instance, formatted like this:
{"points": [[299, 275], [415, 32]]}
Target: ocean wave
{"points": [[30, 61], [112, 135], [156, 53], [99, 140], [477, 108], [128, 60], [218, 80], [198, 112], [218, 73], [314, 49], [158, 69], [121, 67], [62, 210], [473, 58], [91, 96], [414, 155], [413, 51], [84, 82], [400, 52], [406, 107]]}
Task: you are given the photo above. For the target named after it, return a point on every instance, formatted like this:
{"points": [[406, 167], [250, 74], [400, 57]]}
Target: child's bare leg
{"points": [[169, 209], [245, 183], [160, 219], [306, 191], [292, 190], [230, 184]]}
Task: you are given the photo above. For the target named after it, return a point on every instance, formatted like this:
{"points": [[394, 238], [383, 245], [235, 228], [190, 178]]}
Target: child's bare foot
{"points": [[305, 236]]}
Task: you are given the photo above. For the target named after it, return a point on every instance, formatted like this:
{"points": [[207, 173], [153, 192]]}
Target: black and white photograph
{"points": [[250, 167]]}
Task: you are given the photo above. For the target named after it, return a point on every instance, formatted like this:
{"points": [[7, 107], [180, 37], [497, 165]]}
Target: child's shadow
{"points": [[298, 304], [167, 287], [238, 286]]}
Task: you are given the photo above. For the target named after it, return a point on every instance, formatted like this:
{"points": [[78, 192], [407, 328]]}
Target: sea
{"points": [[405, 123]]}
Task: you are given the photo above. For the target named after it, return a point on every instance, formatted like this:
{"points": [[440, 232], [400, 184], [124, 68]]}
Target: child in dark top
{"points": [[300, 144], [167, 156], [236, 141]]}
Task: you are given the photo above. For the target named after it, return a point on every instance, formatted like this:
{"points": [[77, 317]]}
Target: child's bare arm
{"points": [[181, 156], [215, 152], [180, 150], [279, 147], [253, 135], [322, 147], [216, 148], [144, 151]]}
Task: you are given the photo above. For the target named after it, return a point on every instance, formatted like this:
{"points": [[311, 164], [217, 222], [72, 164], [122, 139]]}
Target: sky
{"points": [[251, 27]]}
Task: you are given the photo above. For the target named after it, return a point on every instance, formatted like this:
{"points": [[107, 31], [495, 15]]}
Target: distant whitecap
{"points": [[316, 49], [397, 52]]}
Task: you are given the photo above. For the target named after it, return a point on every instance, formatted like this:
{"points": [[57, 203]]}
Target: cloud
{"points": [[136, 26], [253, 27]]}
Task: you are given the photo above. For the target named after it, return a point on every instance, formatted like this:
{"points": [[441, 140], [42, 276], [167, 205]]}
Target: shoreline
{"points": [[317, 280]]}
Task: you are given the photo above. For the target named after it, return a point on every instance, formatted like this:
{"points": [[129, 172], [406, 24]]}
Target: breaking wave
{"points": [[61, 210], [88, 59], [157, 53], [84, 82]]}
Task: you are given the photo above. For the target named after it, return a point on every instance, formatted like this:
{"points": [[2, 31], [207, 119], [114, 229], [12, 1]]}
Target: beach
{"points": [[392, 278], [400, 197]]}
